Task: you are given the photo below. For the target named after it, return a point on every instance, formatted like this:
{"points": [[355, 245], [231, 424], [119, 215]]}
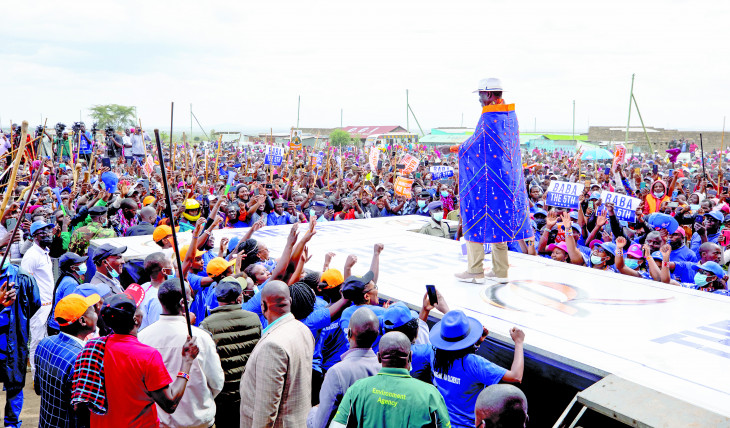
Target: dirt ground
{"points": [[31, 404]]}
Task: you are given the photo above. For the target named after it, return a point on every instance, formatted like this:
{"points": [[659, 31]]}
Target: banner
{"points": [[274, 155], [619, 156], [410, 162], [373, 159], [439, 172], [320, 159], [403, 186], [149, 166], [623, 205], [295, 140], [563, 194]]}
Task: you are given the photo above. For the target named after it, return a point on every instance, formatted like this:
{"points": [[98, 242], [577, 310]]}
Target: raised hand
{"points": [[620, 242], [666, 250]]}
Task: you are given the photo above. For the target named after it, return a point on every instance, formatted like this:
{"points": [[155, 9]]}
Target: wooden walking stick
{"points": [[168, 208], [16, 164], [25, 205]]}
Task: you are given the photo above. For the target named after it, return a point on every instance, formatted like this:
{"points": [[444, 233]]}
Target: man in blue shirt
{"points": [[707, 231], [279, 216], [55, 359]]}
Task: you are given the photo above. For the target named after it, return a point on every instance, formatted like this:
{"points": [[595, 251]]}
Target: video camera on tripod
{"points": [[76, 127], [60, 127]]}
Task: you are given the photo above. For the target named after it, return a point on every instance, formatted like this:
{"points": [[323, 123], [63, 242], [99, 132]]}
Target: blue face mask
{"points": [[444, 194], [700, 279], [421, 203], [596, 260], [113, 273], [631, 263], [81, 270], [311, 213], [438, 216], [171, 276]]}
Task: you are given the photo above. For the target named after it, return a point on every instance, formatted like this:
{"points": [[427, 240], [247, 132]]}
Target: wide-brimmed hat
{"points": [[456, 331]]}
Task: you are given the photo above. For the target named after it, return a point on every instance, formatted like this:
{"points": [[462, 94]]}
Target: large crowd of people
{"points": [[275, 341]]}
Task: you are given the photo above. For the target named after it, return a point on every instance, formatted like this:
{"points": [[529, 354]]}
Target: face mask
{"points": [[113, 273], [444, 194], [311, 213], [81, 269], [540, 223], [596, 260], [658, 195], [171, 276], [438, 216], [631, 263], [421, 204], [700, 279]]}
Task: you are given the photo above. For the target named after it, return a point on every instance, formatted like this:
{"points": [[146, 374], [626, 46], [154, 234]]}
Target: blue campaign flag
{"points": [[623, 205], [231, 176], [563, 194], [320, 159], [439, 172]]}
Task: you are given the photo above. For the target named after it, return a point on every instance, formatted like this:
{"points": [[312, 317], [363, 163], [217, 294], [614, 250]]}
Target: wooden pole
{"points": [[168, 207], [722, 145], [25, 205], [185, 147], [218, 156], [16, 164]]}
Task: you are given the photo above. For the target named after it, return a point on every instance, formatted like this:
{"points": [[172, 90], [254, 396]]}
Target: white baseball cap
{"points": [[490, 84]]}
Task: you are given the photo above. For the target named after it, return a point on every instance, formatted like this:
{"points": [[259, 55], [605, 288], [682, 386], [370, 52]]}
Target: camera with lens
{"points": [[109, 131], [60, 127], [39, 130], [77, 127]]}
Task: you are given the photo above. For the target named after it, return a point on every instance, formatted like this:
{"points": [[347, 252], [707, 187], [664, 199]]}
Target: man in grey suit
{"points": [[276, 387]]}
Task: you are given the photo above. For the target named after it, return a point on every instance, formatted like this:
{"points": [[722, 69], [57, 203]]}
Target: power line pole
{"points": [[631, 100], [408, 126], [573, 120]]}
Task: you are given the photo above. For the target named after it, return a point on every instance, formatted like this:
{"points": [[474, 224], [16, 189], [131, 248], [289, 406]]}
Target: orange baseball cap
{"points": [[184, 252], [161, 232], [72, 307], [148, 200], [332, 277], [218, 265]]}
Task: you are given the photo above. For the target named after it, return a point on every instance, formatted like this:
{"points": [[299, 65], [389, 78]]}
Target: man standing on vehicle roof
{"points": [[492, 193]]}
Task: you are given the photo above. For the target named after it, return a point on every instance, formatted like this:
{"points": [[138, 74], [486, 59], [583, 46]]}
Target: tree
{"points": [[339, 138], [114, 115]]}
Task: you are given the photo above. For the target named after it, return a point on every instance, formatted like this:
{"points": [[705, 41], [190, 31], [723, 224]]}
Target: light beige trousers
{"points": [[475, 258]]}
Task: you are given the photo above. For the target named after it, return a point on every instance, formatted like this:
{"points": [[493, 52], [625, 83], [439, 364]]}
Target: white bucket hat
{"points": [[489, 85]]}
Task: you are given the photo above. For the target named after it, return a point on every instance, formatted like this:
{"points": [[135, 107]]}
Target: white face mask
{"points": [[658, 194]]}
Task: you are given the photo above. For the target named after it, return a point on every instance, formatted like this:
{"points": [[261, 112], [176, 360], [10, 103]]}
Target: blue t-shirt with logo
{"points": [[460, 387]]}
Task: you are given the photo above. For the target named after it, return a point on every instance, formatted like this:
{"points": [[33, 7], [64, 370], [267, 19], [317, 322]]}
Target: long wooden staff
{"points": [[168, 208], [185, 154], [25, 205], [16, 164]]}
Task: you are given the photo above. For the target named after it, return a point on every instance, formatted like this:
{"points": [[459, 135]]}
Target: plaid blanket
{"points": [[88, 380]]}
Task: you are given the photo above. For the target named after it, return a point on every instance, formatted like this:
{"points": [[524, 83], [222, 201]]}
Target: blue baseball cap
{"points": [[576, 226], [539, 211], [397, 315], [595, 195], [713, 267], [609, 246], [574, 215], [663, 221], [717, 215], [38, 225], [657, 255]]}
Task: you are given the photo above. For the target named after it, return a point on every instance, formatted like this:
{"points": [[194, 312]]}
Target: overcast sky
{"points": [[242, 64]]}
